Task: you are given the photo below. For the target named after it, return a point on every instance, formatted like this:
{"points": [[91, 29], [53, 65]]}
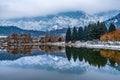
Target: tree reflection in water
{"points": [[26, 49], [51, 48], [94, 57], [22, 49], [114, 56]]}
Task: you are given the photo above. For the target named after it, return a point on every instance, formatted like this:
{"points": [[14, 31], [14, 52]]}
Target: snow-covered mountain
{"points": [[115, 20], [58, 21], [106, 15]]}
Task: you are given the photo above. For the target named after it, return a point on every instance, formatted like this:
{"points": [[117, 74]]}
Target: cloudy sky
{"points": [[28, 8]]}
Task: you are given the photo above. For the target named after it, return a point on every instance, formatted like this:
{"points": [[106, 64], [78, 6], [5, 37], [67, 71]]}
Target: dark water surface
{"points": [[58, 63]]}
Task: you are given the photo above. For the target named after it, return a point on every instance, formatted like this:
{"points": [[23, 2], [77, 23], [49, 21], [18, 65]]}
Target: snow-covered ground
{"points": [[99, 45], [90, 44]]}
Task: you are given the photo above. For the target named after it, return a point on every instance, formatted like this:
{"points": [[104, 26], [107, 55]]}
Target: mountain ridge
{"points": [[115, 20], [7, 30], [56, 21], [54, 24]]}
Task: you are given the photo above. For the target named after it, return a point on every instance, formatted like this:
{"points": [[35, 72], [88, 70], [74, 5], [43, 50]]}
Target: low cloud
{"points": [[28, 8]]}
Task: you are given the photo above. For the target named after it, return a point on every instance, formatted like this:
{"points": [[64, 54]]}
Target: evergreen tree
{"points": [[101, 29], [92, 32], [85, 33], [68, 35], [74, 34], [80, 33], [112, 27]]}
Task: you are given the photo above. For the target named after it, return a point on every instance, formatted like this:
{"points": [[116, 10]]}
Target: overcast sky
{"points": [[27, 8]]}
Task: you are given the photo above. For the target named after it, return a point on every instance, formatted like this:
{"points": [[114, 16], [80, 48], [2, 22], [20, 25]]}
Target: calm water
{"points": [[58, 63]]}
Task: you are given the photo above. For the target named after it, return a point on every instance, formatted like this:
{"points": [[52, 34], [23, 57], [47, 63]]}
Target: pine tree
{"points": [[102, 29], [74, 34], [85, 33], [68, 35], [91, 31], [80, 33], [112, 27]]}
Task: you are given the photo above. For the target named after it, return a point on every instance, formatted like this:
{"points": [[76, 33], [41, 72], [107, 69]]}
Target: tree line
{"points": [[90, 32]]}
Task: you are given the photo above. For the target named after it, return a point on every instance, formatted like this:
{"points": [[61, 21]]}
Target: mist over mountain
{"points": [[58, 21], [56, 24]]}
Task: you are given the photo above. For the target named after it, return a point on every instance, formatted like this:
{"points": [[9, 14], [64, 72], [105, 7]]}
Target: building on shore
{"points": [[17, 39], [47, 38]]}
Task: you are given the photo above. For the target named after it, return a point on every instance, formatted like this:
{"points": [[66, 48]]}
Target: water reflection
{"points": [[51, 48], [112, 55], [13, 52], [83, 63], [26, 49], [98, 58], [90, 56], [23, 49]]}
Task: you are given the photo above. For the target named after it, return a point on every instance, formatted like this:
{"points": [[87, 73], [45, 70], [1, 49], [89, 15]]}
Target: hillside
{"points": [[115, 20], [6, 30], [58, 21]]}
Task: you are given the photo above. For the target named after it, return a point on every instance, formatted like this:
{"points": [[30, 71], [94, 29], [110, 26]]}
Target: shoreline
{"points": [[89, 44]]}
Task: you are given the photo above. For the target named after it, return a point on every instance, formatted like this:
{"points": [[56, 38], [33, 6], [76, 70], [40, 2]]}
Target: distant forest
{"points": [[90, 32]]}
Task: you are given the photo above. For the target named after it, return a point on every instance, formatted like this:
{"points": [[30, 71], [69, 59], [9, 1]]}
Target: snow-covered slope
{"points": [[58, 21], [115, 20], [103, 16]]}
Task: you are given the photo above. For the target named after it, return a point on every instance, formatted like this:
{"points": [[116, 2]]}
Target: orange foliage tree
{"points": [[111, 36]]}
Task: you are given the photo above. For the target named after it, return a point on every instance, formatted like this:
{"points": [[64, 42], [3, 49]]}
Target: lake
{"points": [[58, 63]]}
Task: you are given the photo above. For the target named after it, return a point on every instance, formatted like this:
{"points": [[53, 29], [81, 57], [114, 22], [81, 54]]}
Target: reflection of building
{"points": [[16, 39], [52, 39], [49, 48], [23, 49], [111, 54]]}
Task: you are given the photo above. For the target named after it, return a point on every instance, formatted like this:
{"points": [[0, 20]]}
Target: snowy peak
{"points": [[50, 22], [58, 21]]}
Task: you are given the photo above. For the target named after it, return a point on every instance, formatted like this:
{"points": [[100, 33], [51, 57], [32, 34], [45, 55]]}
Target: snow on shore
{"points": [[91, 44], [99, 45]]}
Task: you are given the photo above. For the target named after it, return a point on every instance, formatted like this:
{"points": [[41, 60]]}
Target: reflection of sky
{"points": [[4, 55], [55, 63]]}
